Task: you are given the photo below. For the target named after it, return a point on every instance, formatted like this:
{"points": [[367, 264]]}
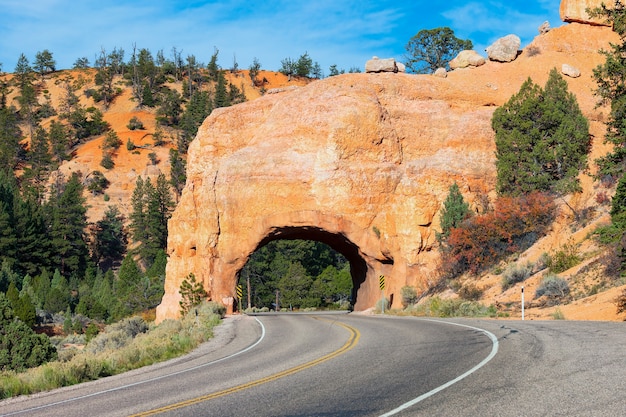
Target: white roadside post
{"points": [[522, 302]]}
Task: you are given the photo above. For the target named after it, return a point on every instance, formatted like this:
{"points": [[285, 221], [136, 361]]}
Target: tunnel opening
{"points": [[333, 274]]}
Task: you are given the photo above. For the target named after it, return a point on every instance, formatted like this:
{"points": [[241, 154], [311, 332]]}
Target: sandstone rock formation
{"points": [[467, 59], [504, 49], [362, 162], [570, 71], [381, 65], [441, 72], [576, 11]]}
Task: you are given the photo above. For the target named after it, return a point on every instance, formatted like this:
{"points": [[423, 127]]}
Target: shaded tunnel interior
{"points": [[338, 242]]}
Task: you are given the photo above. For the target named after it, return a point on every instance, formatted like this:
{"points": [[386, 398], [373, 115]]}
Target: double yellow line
{"points": [[352, 342]]}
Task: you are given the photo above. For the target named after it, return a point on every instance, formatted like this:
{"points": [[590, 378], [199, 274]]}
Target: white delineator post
{"points": [[522, 302]]}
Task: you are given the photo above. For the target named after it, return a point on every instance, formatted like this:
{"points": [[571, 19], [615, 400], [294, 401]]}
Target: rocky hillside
{"points": [[363, 161], [489, 85]]}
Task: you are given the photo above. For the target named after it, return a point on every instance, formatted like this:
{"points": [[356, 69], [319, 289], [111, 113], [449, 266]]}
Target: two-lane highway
{"points": [[357, 365]]}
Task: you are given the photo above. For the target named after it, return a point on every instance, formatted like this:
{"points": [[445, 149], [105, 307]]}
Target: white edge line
{"points": [[144, 381], [494, 351]]}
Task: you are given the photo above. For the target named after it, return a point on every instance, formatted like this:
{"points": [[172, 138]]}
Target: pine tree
{"points": [[40, 160], [610, 77], [59, 141], [542, 140], [192, 293], [8, 234], [68, 226], [139, 211], [110, 238], [454, 211], [178, 175], [222, 99], [127, 282], [10, 137]]}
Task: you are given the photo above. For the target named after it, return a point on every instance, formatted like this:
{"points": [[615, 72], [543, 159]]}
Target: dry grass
{"points": [[127, 345]]}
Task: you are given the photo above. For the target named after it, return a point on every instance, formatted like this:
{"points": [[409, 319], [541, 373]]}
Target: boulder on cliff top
{"points": [[576, 11], [468, 58], [381, 65], [504, 49]]}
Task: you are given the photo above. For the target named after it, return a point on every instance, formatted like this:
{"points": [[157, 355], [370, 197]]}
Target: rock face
{"points": [[504, 49], [362, 162], [576, 11]]}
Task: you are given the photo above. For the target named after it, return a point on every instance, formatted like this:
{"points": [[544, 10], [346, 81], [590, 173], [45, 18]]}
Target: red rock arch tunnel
{"points": [[362, 162], [219, 272]]}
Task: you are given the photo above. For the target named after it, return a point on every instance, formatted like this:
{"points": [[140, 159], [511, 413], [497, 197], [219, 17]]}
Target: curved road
{"points": [[356, 365]]}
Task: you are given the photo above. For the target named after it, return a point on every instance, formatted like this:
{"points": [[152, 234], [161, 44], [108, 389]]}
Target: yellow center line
{"points": [[352, 342]]}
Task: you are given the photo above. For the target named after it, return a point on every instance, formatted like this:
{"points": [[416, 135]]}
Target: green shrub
{"points": [[554, 287], [135, 124], [107, 161], [169, 339], [437, 307], [563, 259], [409, 295], [558, 314], [620, 302], [514, 274], [382, 303], [470, 292]]}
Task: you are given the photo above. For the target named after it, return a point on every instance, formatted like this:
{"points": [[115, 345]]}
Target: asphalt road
{"points": [[357, 365]]}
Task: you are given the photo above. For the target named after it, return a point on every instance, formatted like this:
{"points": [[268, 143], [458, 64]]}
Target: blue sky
{"points": [[342, 32]]}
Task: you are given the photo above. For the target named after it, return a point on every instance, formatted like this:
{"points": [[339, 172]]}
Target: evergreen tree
{"points": [[44, 62], [25, 311], [170, 108], [110, 238], [199, 108], [41, 287], [104, 79], [23, 71], [20, 346], [294, 286], [212, 67], [610, 77], [253, 71], [68, 226], [33, 238], [542, 139], [8, 234], [40, 160], [222, 99], [138, 215], [128, 280], [192, 293], [10, 137], [454, 211], [178, 175], [431, 49], [304, 65]]}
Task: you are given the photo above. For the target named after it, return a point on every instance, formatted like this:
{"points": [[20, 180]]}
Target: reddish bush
{"points": [[514, 224], [603, 198]]}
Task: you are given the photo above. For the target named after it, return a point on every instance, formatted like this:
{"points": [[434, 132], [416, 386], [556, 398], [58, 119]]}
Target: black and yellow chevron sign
{"points": [[239, 291], [381, 282]]}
